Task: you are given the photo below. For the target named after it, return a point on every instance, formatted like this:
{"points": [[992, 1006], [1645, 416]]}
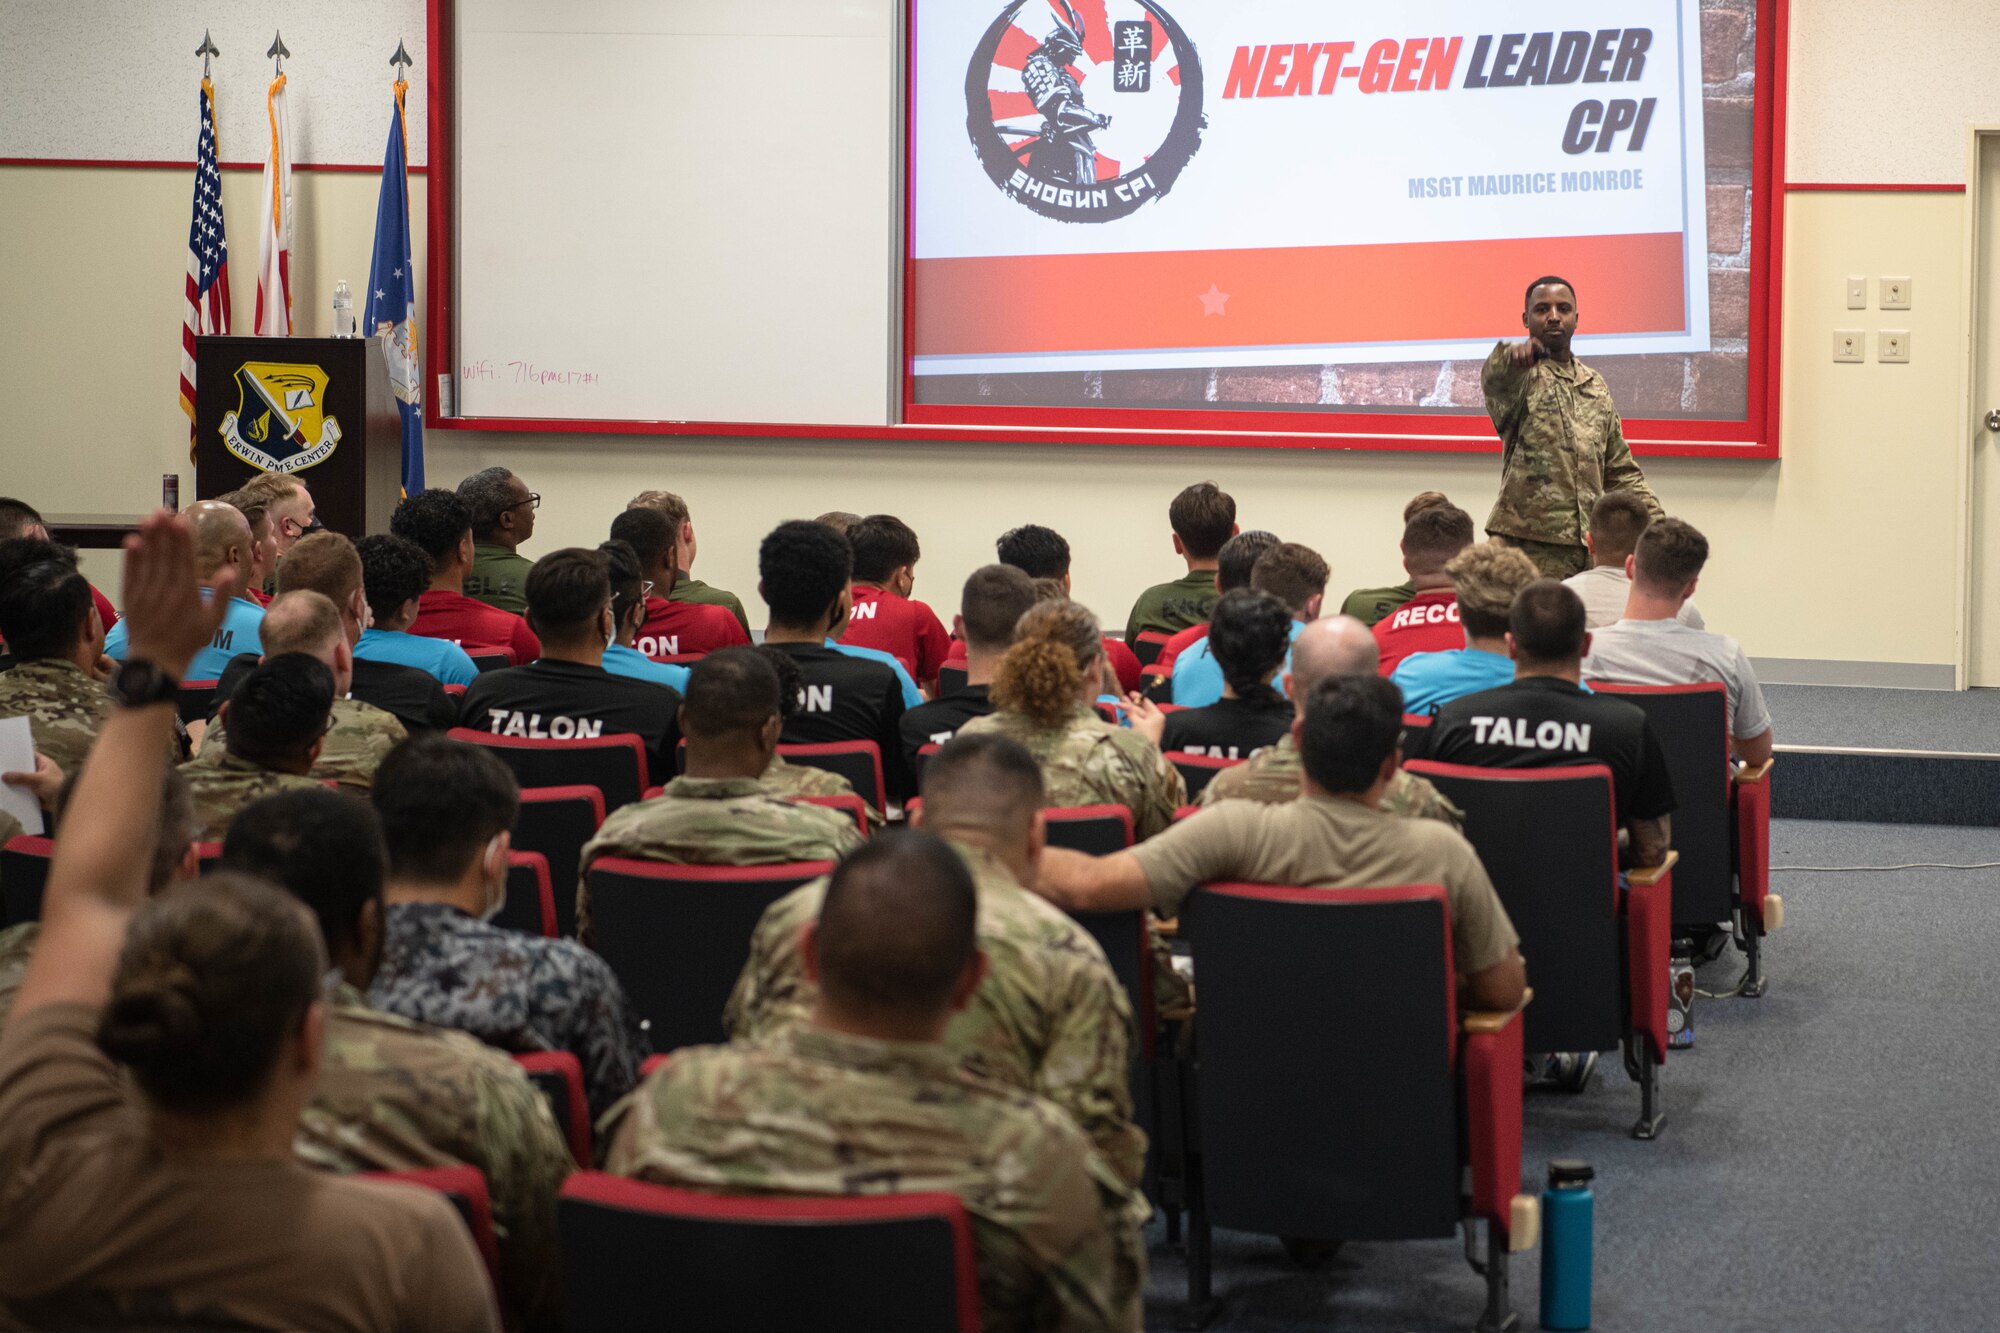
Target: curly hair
{"points": [[436, 520], [1250, 632], [1057, 647]]}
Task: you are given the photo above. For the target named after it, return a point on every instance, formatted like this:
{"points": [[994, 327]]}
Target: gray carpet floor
{"points": [[1956, 722], [1830, 1159]]}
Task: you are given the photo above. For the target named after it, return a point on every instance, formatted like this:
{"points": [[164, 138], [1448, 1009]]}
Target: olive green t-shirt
{"points": [[694, 590], [1328, 842], [1173, 607], [499, 578], [1369, 605]]}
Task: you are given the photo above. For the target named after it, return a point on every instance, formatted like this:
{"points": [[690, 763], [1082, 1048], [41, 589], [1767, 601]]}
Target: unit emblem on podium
{"points": [[1083, 121], [280, 422]]}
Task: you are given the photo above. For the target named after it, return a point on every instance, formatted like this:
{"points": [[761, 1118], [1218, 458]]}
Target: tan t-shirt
{"points": [[98, 1226], [1326, 842]]}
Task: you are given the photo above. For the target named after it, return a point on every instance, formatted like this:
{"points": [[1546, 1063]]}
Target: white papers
{"points": [[17, 755]]}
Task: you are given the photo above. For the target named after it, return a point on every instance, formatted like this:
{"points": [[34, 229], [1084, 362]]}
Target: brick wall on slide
{"points": [[1712, 384]]}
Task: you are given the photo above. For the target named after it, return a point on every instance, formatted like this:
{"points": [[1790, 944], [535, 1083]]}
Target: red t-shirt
{"points": [[1163, 665], [1123, 664], [475, 626], [907, 630], [680, 629], [1427, 623]]}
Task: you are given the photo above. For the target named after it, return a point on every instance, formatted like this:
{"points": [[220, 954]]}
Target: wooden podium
{"points": [[318, 408]]}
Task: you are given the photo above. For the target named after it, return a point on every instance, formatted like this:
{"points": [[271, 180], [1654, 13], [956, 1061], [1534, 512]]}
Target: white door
{"points": [[1984, 663]]}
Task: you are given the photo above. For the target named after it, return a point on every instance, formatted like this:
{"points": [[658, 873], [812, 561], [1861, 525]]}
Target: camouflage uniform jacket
{"points": [[362, 735], [1564, 448], [63, 705], [1272, 776], [518, 992], [1050, 1017], [789, 780], [401, 1096], [1088, 761], [17, 946], [809, 1111], [222, 784], [716, 822]]}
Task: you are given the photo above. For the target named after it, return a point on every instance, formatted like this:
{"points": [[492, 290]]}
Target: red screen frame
{"points": [[1754, 436]]}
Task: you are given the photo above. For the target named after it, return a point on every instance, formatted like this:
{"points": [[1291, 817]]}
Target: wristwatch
{"points": [[137, 684]]}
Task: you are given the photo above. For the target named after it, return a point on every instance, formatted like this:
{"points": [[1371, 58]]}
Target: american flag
{"points": [[208, 257]]}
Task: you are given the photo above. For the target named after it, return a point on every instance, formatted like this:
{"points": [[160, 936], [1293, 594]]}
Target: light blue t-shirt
{"points": [[237, 634], [1429, 680], [444, 659], [622, 661], [912, 696], [1198, 676]]}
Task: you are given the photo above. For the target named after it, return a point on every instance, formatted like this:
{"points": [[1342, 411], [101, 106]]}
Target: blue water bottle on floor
{"points": [[1567, 1219]]}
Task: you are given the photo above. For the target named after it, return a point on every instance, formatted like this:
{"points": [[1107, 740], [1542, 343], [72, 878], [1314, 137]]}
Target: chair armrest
{"points": [[1492, 1020], [1750, 842], [1492, 1070], [1649, 914], [1757, 774], [1649, 875]]}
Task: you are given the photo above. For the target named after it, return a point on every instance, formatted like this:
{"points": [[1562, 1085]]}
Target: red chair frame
{"points": [[546, 896], [806, 753], [609, 742]]}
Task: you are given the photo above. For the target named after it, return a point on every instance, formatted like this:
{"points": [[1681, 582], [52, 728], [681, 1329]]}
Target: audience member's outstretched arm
{"points": [[1754, 750], [98, 877], [1080, 883], [1500, 987]]}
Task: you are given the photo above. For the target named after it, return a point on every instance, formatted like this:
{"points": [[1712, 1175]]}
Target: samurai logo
{"points": [[280, 424], [1074, 123]]}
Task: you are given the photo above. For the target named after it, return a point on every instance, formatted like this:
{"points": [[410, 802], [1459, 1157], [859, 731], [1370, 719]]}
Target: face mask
{"points": [[496, 886]]}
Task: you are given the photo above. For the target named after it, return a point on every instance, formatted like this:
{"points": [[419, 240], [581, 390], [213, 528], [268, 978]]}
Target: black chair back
{"points": [[639, 1256], [860, 762], [1546, 838], [24, 875], [1691, 722], [1148, 645], [1099, 830], [677, 936], [1326, 1101], [614, 764], [951, 679], [484, 662], [1198, 770], [195, 700], [557, 821]]}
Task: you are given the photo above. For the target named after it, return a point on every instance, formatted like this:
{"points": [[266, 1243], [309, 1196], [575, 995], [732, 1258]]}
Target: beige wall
{"points": [[1861, 514]]}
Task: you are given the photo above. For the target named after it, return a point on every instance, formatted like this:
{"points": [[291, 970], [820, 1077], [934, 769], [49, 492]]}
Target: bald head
{"points": [[221, 540], [309, 623], [1335, 646]]}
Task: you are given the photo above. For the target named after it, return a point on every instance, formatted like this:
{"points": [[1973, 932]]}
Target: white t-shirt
{"points": [[1604, 590], [1666, 652]]}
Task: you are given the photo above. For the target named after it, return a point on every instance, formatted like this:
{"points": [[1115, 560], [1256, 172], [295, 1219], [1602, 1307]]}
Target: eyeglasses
{"points": [[533, 501]]}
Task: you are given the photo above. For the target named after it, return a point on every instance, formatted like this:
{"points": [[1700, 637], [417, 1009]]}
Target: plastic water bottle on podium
{"points": [[343, 310], [1568, 1210]]}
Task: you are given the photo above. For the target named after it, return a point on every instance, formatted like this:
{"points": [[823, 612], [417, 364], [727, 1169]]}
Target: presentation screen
{"points": [[1326, 214]]}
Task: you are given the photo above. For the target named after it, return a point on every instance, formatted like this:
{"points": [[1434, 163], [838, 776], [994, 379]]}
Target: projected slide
{"points": [[1285, 203]]}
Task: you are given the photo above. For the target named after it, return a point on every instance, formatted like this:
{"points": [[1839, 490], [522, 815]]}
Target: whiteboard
{"points": [[677, 211]]}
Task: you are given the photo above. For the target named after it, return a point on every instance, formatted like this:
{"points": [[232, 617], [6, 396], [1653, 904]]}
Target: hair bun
{"points": [[152, 1020]]}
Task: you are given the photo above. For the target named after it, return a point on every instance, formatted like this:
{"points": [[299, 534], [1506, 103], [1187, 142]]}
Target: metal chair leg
{"points": [[1754, 980], [1499, 1316], [1201, 1302], [1646, 1074]]}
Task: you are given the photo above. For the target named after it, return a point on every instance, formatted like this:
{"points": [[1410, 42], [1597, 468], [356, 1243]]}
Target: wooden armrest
{"points": [[1757, 774], [1653, 874], [1167, 927], [1489, 1020]]}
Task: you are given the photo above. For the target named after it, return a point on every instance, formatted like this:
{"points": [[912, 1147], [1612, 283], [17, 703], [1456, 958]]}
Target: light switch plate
{"points": [[1849, 345], [1895, 293], [1893, 347], [1857, 293]]}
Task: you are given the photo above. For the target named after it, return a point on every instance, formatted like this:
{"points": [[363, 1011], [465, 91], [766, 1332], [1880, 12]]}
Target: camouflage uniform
{"points": [[222, 784], [788, 780], [64, 707], [1050, 1017], [809, 1111], [1088, 761], [362, 736], [1272, 776], [518, 992], [1565, 447], [401, 1096], [715, 822], [17, 946]]}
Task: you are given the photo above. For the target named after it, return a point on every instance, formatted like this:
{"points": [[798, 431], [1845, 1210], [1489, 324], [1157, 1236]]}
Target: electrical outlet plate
{"points": [[1849, 345], [1894, 347], [1895, 293], [1857, 293]]}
